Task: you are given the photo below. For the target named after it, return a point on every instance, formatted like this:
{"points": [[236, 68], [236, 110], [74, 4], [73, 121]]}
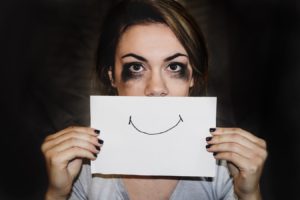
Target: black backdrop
{"points": [[47, 58]]}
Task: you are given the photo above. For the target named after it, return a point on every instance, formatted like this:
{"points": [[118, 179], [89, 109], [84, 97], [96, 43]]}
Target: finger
{"points": [[69, 135], [235, 138], [63, 158], [75, 142], [231, 147], [246, 134], [245, 165], [87, 130]]}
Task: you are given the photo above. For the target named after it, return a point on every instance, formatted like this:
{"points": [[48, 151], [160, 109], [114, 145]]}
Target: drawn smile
{"points": [[156, 133]]}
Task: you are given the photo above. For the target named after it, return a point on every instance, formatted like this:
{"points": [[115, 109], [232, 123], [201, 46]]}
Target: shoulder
{"points": [[218, 187], [96, 186]]}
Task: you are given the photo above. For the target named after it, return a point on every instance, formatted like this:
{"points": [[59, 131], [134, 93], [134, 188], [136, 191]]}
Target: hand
{"points": [[245, 154], [63, 153]]}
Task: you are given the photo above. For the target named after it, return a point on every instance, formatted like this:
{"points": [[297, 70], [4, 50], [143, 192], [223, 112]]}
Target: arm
{"points": [[63, 152], [245, 154]]}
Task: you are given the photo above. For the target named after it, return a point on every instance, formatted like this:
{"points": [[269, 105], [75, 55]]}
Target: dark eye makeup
{"points": [[178, 70], [134, 70]]}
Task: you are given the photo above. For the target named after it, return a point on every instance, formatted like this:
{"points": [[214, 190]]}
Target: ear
{"points": [[110, 75], [192, 82]]}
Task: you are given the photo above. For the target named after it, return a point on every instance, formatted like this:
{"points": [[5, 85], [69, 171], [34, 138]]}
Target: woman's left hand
{"points": [[245, 155]]}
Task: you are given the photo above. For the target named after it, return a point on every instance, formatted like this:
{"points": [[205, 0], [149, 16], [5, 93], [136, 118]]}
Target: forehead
{"points": [[154, 39]]}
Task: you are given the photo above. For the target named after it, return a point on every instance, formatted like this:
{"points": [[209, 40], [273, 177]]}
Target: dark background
{"points": [[47, 50]]}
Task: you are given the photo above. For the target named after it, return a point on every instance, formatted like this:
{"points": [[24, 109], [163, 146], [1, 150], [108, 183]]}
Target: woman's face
{"points": [[150, 61]]}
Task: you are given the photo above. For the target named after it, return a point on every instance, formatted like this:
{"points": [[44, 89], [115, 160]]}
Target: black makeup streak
{"points": [[127, 74], [157, 133], [183, 73]]}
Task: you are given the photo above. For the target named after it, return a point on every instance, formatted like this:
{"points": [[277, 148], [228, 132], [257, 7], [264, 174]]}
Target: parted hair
{"points": [[169, 12]]}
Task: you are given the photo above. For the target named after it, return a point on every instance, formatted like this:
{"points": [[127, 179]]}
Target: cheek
{"points": [[130, 88], [178, 87], [127, 87]]}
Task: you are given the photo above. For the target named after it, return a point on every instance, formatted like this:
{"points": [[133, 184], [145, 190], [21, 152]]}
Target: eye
{"points": [[132, 70], [175, 67], [136, 67]]}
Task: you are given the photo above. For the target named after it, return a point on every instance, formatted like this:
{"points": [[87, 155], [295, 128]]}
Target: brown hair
{"points": [[131, 12]]}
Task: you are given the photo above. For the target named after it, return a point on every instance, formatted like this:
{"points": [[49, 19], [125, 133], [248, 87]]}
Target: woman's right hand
{"points": [[63, 152]]}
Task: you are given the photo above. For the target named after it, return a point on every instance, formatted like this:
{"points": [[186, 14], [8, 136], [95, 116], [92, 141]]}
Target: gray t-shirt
{"points": [[96, 187]]}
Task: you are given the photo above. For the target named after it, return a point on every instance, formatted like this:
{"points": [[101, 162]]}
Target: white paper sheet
{"points": [[163, 136]]}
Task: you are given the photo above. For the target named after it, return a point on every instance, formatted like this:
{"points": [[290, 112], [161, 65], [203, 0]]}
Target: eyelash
{"points": [[129, 73], [181, 65], [131, 66], [181, 73]]}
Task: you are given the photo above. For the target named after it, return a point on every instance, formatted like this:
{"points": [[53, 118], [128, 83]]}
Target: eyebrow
{"points": [[145, 60]]}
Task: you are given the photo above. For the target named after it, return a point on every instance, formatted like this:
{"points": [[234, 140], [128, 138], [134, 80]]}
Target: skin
{"points": [[155, 77], [245, 154], [156, 65], [63, 153]]}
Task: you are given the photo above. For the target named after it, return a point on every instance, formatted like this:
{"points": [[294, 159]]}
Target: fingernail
{"points": [[98, 148], [215, 153], [96, 131], [212, 130], [100, 141], [95, 155], [208, 139], [208, 146]]}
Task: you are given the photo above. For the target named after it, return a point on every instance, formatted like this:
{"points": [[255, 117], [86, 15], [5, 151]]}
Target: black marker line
{"points": [[130, 122]]}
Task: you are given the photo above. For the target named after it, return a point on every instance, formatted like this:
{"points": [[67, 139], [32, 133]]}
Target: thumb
{"points": [[233, 169], [74, 167]]}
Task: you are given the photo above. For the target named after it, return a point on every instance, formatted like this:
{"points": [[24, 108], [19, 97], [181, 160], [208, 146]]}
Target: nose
{"points": [[156, 86]]}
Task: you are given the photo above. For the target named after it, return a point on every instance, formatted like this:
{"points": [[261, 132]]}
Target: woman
{"points": [[152, 48]]}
